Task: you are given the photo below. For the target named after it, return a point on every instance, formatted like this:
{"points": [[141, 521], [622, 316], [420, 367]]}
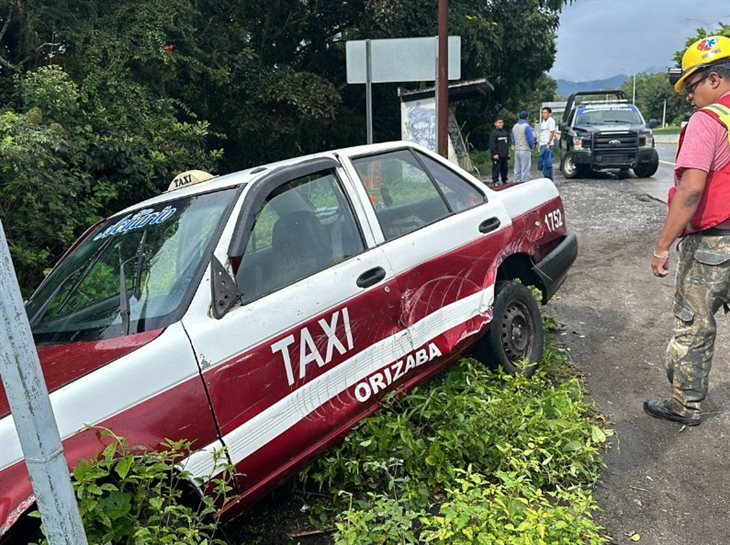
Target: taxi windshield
{"points": [[132, 273]]}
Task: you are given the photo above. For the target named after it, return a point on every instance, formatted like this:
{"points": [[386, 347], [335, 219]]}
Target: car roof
{"points": [[254, 174]]}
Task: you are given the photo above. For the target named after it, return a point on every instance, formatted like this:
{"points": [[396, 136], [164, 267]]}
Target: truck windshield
{"points": [[624, 115], [132, 273]]}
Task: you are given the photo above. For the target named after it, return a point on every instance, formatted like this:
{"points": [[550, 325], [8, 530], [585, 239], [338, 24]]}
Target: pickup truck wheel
{"points": [[644, 170], [515, 333], [568, 166]]}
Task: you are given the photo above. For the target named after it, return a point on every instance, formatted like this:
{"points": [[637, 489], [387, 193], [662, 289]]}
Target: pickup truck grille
{"points": [[615, 149], [615, 141]]}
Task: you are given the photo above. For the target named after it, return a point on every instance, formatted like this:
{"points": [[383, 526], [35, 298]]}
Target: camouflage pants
{"points": [[703, 286]]}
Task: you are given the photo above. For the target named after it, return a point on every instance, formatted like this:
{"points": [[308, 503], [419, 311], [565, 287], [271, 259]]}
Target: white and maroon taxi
{"points": [[267, 311]]}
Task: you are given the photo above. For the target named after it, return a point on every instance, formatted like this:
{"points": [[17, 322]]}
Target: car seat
{"points": [[300, 247]]}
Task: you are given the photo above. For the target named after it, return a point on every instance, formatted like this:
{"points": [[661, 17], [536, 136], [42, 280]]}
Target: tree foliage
{"points": [[104, 101]]}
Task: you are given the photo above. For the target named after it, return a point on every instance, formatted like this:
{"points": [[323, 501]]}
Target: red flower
{"points": [[168, 47]]}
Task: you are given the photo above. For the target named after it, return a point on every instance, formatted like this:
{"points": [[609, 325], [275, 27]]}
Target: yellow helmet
{"points": [[701, 54]]}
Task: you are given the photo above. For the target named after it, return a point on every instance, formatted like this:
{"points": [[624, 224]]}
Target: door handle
{"points": [[370, 277], [489, 225]]}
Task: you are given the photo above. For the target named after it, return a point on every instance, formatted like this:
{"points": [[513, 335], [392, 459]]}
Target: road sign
{"points": [[400, 60]]}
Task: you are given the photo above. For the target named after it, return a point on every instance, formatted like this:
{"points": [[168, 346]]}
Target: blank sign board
{"points": [[400, 59]]}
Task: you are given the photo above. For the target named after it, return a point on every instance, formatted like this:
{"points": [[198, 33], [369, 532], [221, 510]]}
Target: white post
{"points": [[31, 410], [633, 94], [664, 114]]}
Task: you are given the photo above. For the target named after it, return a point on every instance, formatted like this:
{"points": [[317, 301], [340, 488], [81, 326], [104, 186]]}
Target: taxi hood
{"points": [[64, 363]]}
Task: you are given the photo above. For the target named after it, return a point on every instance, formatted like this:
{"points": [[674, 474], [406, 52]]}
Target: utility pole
{"points": [[664, 114], [633, 94], [442, 87], [30, 407]]}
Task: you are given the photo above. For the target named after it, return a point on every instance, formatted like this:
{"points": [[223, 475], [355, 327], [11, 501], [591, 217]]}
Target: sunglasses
{"points": [[689, 89]]}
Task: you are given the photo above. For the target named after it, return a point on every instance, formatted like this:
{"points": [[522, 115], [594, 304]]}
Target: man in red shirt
{"points": [[699, 211]]}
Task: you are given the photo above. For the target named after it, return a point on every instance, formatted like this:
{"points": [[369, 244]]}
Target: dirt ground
{"points": [[668, 484]]}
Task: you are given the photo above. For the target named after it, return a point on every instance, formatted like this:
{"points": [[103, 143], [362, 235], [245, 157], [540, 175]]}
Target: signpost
{"points": [[32, 414], [397, 60]]}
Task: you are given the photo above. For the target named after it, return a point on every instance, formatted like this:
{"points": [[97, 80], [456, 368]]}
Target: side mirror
{"points": [[223, 290], [653, 123], [562, 126]]}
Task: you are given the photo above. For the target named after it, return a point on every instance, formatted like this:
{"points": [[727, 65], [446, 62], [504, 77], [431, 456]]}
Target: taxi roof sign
{"points": [[189, 177]]}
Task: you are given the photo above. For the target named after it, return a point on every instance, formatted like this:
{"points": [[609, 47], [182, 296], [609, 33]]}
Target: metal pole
{"points": [[32, 413], [633, 94], [442, 106], [664, 114], [369, 90]]}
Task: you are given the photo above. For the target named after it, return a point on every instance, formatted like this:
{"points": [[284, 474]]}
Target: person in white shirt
{"points": [[546, 141]]}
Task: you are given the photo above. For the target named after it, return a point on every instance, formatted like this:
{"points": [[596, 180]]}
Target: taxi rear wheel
{"points": [[514, 339]]}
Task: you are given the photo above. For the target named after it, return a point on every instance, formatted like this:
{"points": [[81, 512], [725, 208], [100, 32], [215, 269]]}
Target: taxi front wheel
{"points": [[514, 339]]}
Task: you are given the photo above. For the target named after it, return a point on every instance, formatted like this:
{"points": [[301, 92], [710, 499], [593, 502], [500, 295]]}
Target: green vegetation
{"points": [[669, 129], [472, 457], [93, 121], [131, 495]]}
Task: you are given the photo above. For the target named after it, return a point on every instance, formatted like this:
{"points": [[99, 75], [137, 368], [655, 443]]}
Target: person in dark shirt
{"points": [[499, 150]]}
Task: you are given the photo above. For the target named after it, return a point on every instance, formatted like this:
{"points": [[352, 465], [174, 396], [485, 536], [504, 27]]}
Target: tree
{"points": [[113, 98], [652, 90]]}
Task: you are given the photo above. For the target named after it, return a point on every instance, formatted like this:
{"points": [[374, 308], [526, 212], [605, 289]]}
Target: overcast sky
{"points": [[602, 38]]}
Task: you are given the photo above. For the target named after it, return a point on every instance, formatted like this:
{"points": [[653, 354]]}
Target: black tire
{"points": [[644, 170], [515, 332], [568, 167]]}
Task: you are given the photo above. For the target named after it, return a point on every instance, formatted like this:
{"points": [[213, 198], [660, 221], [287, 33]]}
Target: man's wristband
{"points": [[661, 256]]}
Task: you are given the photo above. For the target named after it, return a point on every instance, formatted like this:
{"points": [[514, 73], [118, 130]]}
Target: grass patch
{"points": [[669, 129], [471, 457]]}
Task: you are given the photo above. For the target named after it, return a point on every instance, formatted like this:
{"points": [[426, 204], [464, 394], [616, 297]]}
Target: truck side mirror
{"points": [[562, 126], [653, 123]]}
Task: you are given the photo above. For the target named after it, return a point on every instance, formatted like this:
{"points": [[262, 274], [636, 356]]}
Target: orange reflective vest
{"points": [[714, 205]]}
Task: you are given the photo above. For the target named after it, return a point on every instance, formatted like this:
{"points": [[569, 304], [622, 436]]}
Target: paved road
{"points": [[663, 484], [658, 185]]}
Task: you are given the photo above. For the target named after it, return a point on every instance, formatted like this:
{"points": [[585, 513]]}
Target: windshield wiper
{"points": [[44, 307], [124, 296]]}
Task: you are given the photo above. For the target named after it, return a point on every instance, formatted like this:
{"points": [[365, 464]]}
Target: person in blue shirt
{"points": [[523, 140]]}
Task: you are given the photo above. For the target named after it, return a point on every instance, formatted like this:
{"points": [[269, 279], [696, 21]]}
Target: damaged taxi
{"points": [[268, 311]]}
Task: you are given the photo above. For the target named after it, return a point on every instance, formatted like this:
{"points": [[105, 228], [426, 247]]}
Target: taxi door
{"points": [[319, 310], [442, 237]]}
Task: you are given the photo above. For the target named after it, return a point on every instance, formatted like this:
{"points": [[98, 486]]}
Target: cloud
{"points": [[602, 38]]}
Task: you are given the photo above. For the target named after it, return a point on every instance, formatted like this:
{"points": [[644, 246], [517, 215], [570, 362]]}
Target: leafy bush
{"points": [[129, 496], [485, 457]]}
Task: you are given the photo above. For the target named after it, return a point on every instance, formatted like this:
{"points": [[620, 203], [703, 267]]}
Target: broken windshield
{"points": [[133, 273]]}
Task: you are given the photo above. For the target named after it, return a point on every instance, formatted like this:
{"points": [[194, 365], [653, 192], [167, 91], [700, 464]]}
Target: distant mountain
{"points": [[566, 87]]}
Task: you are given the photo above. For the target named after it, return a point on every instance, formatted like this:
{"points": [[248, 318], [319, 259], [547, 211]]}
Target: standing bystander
{"points": [[524, 141], [699, 211], [499, 150], [546, 138]]}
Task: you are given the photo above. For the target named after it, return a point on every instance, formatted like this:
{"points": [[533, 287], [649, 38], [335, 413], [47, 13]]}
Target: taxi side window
{"points": [[401, 191], [459, 193], [303, 227]]}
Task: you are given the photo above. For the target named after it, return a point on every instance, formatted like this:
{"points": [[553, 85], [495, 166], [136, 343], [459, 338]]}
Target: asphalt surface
{"points": [[663, 484]]}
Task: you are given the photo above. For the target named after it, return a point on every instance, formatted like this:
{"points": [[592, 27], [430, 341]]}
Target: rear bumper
{"points": [[553, 268]]}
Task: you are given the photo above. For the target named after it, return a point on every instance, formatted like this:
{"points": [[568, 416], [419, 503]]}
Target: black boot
{"points": [[659, 408]]}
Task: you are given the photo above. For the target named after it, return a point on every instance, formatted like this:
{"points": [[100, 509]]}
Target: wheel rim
{"points": [[569, 166], [517, 332]]}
